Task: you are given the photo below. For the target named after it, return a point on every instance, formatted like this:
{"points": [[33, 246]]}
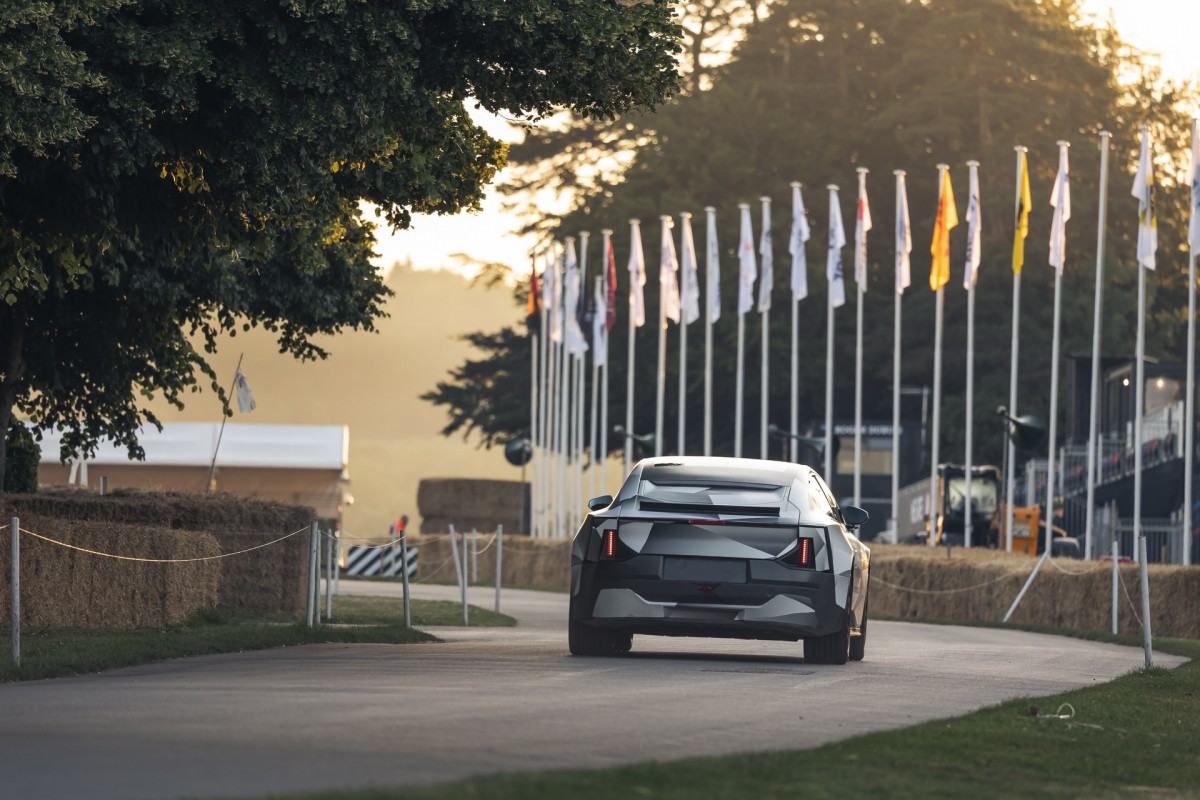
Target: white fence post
{"points": [[1116, 577], [15, 532], [337, 564], [312, 573], [404, 577], [464, 579], [1146, 639], [499, 561], [329, 575]]}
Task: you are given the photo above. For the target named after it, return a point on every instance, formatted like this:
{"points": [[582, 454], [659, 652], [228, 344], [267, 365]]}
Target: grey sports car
{"points": [[721, 547]]}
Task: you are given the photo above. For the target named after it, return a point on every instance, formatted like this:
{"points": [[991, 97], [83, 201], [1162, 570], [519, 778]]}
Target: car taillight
{"points": [[804, 553], [609, 549]]}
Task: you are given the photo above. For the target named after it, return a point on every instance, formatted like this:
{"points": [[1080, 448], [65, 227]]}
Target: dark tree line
{"points": [[821, 87]]}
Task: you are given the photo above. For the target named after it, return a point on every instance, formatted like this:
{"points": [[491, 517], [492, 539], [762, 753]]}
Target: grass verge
{"points": [[452, 582], [1136, 736], [352, 609], [56, 653]]}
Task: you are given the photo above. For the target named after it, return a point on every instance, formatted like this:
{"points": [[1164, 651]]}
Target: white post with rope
{"points": [[458, 571], [329, 576], [404, 578], [1116, 579], [499, 561], [1145, 580], [337, 563], [464, 579], [14, 527], [310, 606]]}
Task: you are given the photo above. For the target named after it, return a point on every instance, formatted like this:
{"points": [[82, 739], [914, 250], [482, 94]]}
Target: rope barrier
{"points": [[435, 572], [1075, 573], [162, 560], [874, 578], [1132, 607]]}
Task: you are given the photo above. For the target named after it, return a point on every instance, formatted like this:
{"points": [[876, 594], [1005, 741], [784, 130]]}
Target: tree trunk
{"points": [[12, 332]]}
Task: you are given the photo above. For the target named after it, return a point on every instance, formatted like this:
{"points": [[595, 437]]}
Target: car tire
{"points": [[833, 648], [584, 640], [858, 644]]}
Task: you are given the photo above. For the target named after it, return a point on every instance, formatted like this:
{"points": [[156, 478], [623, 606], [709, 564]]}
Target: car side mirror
{"points": [[603, 501], [854, 516]]}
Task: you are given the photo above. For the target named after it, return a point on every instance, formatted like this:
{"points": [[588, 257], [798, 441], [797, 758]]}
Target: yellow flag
{"points": [[947, 218], [1022, 220]]}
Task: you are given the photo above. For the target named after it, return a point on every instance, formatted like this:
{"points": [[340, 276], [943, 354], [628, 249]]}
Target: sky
{"points": [[1165, 27]]}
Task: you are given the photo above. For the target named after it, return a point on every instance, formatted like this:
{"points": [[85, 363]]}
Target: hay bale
{"points": [[61, 587], [270, 580], [980, 585], [468, 503]]}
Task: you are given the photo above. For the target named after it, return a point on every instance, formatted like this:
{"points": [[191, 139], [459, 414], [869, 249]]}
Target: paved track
{"points": [[496, 699]]}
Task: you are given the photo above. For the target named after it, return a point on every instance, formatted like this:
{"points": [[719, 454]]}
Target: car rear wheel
{"points": [[584, 640], [833, 648], [858, 644]]}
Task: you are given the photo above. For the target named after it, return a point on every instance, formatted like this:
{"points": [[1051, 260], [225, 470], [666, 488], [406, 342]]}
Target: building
{"points": [[297, 464]]}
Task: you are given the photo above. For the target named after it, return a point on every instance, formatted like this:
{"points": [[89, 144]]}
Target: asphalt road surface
{"points": [[498, 699]]}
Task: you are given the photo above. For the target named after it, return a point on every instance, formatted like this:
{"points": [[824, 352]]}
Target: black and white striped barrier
{"points": [[379, 561]]}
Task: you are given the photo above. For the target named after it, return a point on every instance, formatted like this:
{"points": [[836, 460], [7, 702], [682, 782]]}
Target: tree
{"points": [[823, 86], [201, 164]]}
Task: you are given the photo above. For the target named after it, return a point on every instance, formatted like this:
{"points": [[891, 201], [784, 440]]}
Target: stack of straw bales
{"points": [[64, 587]]}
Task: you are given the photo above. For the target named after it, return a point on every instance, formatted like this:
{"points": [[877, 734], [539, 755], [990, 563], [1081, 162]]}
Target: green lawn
{"points": [[1138, 736], [359, 610], [53, 653]]}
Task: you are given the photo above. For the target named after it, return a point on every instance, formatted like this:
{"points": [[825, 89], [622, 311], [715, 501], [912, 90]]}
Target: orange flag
{"points": [[947, 218]]}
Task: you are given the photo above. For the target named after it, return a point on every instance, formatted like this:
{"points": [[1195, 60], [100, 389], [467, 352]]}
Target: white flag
{"points": [[861, 226], [1060, 199], [576, 341], [974, 234], [1194, 180], [766, 281], [690, 291], [800, 235], [833, 261], [747, 267], [599, 350], [637, 276], [554, 269], [1143, 190], [903, 237], [245, 397], [668, 273], [714, 271]]}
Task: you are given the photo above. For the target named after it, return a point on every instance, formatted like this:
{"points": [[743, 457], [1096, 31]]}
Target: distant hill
{"points": [[372, 383]]}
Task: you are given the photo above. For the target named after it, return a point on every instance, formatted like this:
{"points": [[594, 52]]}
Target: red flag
{"points": [[611, 299]]}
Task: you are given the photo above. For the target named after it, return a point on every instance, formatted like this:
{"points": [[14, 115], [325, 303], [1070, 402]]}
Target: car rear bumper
{"points": [[772, 602]]}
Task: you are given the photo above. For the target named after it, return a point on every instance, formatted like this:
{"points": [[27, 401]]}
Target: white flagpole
{"points": [[547, 403], [1010, 479], [794, 394], [710, 267], [935, 432], [684, 218], [765, 313], [1097, 324], [1064, 198], [534, 431], [605, 245], [860, 283], [594, 469], [581, 381], [564, 408], [903, 238], [661, 371], [635, 241], [973, 256], [1143, 189], [1189, 413], [741, 357], [828, 449]]}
